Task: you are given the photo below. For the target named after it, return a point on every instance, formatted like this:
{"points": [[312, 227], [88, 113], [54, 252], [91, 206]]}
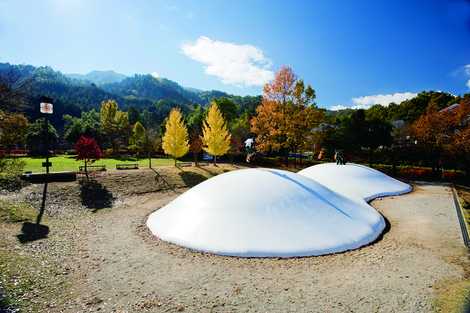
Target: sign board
{"points": [[46, 164], [46, 108]]}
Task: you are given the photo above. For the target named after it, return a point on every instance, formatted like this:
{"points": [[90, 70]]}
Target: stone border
{"points": [[463, 225]]}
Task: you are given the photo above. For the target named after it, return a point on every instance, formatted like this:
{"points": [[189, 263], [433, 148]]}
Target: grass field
{"points": [[68, 163]]}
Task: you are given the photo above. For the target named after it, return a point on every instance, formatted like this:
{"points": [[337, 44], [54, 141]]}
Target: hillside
{"points": [[99, 77], [73, 93]]}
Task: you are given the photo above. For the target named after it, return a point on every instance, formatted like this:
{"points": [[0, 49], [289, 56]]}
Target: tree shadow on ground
{"points": [[207, 170], [159, 178], [191, 179], [31, 232], [94, 195]]}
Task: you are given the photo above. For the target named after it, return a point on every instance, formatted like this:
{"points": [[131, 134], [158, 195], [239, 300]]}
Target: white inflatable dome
{"points": [[354, 180], [265, 213]]}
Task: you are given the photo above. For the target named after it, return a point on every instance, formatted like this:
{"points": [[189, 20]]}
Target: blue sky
{"points": [[353, 53]]}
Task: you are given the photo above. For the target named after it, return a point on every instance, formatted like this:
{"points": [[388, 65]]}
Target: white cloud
{"points": [[155, 74], [467, 69], [232, 63], [368, 101], [338, 107]]}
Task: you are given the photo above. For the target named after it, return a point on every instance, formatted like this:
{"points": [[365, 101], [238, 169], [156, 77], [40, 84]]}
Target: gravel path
{"points": [[122, 268]]}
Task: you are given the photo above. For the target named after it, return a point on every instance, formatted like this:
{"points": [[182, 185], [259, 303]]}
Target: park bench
{"points": [[92, 168], [127, 166]]}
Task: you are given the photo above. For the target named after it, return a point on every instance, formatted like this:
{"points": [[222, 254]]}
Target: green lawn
{"points": [[68, 163]]}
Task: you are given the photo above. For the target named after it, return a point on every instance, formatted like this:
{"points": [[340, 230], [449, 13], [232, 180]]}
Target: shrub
{"points": [[452, 175], [107, 153], [14, 212], [10, 171], [416, 173]]}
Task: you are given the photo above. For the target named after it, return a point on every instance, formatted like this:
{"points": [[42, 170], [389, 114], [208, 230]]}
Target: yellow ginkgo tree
{"points": [[216, 138], [175, 141]]}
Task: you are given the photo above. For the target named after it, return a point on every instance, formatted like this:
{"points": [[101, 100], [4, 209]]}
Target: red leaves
{"points": [[87, 149]]}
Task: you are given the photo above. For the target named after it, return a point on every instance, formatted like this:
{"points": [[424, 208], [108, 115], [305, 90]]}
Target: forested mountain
{"points": [[99, 77], [21, 86], [151, 88], [74, 93], [407, 111]]}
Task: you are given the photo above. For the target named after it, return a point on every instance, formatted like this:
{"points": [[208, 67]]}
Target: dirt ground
{"points": [[108, 261]]}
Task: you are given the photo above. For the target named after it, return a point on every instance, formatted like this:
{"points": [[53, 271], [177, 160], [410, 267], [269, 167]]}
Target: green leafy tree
{"points": [[240, 131], [114, 124], [134, 115], [228, 108], [137, 140], [195, 119], [36, 137], [88, 125]]}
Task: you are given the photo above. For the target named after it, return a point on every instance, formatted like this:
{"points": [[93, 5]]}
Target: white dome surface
{"points": [[265, 213], [354, 180]]}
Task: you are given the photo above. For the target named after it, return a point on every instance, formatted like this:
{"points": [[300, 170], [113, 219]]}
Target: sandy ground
{"points": [[106, 260], [122, 268]]}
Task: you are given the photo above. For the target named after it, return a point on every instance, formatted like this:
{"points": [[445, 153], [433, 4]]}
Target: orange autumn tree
{"points": [[195, 145], [432, 131], [286, 116], [459, 146]]}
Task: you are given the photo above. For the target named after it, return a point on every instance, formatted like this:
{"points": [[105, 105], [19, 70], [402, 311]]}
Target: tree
{"points": [[286, 116], [195, 119], [13, 98], [240, 131], [87, 150], [268, 125], [216, 138], [196, 145], [88, 124], [459, 146], [152, 142], [114, 123], [13, 127], [138, 137], [228, 108], [433, 131], [134, 115], [35, 137], [175, 140]]}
